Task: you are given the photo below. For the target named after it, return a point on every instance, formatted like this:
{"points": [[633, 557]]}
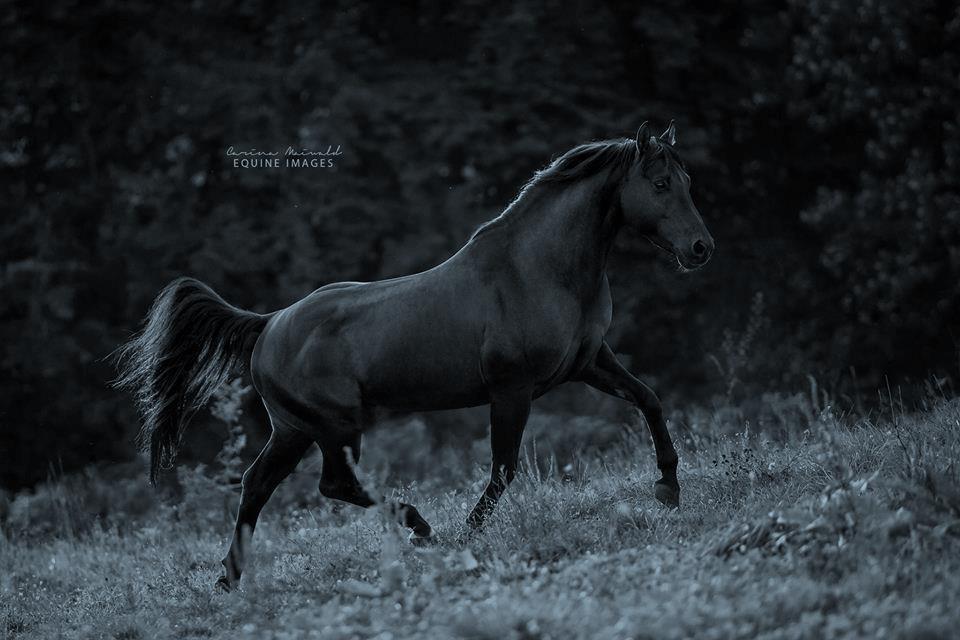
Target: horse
{"points": [[522, 307]]}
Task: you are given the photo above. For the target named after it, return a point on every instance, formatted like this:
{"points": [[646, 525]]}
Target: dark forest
{"points": [[823, 139]]}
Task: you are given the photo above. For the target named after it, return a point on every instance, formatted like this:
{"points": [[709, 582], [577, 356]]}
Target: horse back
{"points": [[409, 343]]}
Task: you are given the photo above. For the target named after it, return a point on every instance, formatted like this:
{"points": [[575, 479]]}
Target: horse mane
{"points": [[586, 160]]}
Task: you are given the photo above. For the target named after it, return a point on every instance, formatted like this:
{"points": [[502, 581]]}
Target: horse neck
{"points": [[565, 230]]}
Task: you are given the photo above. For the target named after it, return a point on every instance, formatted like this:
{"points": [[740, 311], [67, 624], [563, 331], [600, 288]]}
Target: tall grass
{"points": [[839, 527]]}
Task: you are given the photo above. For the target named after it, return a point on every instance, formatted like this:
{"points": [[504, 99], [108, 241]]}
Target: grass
{"points": [[839, 528]]}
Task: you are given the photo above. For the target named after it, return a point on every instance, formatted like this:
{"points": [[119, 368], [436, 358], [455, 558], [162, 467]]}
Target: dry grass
{"points": [[838, 530]]}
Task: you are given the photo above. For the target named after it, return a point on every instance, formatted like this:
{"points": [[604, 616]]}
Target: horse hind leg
{"points": [[278, 458], [338, 481]]}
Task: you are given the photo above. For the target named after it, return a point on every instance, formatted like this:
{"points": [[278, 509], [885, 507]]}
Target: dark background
{"points": [[823, 139]]}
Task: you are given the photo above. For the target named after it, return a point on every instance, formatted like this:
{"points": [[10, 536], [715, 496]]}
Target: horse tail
{"points": [[190, 342]]}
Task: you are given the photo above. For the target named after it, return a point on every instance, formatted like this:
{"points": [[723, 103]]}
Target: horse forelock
{"points": [[662, 152]]}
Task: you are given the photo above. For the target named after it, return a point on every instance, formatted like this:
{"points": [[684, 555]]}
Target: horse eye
{"points": [[661, 183]]}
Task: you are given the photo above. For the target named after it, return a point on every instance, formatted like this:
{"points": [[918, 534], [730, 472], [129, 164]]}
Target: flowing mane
{"points": [[586, 160]]}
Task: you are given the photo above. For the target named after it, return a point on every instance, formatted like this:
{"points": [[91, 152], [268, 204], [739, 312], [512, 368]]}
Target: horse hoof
{"points": [[667, 495], [421, 541], [222, 585]]}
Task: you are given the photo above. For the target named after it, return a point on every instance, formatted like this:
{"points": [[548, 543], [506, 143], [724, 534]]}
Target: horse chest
{"points": [[545, 341]]}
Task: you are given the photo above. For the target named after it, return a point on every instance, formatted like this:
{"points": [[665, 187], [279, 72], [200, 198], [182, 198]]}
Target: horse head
{"points": [[655, 200]]}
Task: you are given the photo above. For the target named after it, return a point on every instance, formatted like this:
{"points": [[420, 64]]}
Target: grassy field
{"points": [[836, 528]]}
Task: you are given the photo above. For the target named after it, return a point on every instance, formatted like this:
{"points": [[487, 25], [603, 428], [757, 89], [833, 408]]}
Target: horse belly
{"points": [[424, 375]]}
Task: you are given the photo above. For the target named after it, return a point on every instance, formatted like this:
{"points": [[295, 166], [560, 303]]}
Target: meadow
{"points": [[807, 525]]}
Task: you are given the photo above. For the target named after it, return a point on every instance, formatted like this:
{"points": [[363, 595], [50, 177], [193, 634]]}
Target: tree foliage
{"points": [[822, 137]]}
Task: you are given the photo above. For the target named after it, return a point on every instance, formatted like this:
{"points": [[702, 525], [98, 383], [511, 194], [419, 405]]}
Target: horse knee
{"points": [[350, 491]]}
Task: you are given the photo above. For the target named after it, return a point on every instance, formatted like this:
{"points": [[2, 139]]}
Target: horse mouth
{"points": [[690, 265], [685, 265]]}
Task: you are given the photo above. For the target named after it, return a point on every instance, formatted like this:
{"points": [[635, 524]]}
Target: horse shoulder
{"points": [[537, 336]]}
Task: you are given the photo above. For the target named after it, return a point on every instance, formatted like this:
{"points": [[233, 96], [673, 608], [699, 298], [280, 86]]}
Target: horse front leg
{"points": [[607, 374], [509, 411]]}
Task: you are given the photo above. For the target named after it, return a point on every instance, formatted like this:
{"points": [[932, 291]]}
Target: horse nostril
{"points": [[699, 248]]}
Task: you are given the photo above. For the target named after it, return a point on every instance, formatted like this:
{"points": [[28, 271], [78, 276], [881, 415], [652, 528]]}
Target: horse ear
{"points": [[670, 135], [643, 138]]}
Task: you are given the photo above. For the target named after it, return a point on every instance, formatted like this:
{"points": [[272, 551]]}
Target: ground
{"points": [[841, 528]]}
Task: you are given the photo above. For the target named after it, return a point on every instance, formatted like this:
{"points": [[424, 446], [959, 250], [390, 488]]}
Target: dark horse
{"points": [[520, 309]]}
